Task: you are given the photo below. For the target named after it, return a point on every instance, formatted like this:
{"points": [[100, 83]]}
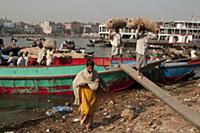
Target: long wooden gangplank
{"points": [[188, 114]]}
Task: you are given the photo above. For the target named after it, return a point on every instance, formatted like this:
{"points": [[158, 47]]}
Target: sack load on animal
{"points": [[116, 23], [145, 24], [50, 44]]}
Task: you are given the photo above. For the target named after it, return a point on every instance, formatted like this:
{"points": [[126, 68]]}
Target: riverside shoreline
{"points": [[135, 110]]}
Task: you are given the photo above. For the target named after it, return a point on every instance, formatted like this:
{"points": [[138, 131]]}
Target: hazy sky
{"points": [[97, 10]]}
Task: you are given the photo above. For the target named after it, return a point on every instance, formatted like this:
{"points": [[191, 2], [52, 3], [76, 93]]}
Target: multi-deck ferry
{"points": [[184, 31]]}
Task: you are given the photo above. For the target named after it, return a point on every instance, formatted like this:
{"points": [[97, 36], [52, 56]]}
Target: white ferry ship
{"points": [[184, 31]]}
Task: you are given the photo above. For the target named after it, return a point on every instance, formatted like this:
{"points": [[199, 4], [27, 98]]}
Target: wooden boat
{"points": [[91, 44], [55, 79], [175, 71], [68, 45], [58, 79], [99, 41]]}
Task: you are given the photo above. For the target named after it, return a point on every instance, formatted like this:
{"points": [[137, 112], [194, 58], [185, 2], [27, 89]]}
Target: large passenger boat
{"points": [[183, 31]]}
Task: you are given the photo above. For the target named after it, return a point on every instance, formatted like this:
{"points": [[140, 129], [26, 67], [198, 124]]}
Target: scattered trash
{"points": [[67, 104], [111, 103], [76, 120], [187, 99], [9, 132], [128, 114], [105, 113], [108, 116], [48, 130], [59, 109]]}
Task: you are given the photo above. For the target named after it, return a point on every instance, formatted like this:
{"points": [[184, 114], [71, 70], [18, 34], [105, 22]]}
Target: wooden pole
{"points": [[188, 114]]}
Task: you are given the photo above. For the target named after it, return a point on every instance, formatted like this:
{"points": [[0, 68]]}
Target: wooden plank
{"points": [[186, 112]]}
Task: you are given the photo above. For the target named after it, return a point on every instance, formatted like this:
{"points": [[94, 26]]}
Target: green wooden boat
{"points": [[55, 79], [58, 79]]}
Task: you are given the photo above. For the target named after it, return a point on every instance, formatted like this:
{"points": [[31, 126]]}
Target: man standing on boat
{"points": [[85, 85], [117, 47], [41, 53], [141, 46]]}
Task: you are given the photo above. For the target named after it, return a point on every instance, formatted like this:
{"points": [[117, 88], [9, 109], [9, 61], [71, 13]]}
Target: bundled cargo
{"points": [[116, 23], [50, 44], [69, 55], [145, 24], [31, 51]]}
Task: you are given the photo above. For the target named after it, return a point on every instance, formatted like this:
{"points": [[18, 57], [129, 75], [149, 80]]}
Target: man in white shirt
{"points": [[49, 57], [41, 54], [141, 46], [117, 47]]}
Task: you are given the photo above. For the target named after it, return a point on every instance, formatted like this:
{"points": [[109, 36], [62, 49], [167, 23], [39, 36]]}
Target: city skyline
{"points": [[97, 11]]}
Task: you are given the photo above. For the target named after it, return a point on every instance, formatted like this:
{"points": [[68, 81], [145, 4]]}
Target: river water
{"points": [[79, 42], [16, 108]]}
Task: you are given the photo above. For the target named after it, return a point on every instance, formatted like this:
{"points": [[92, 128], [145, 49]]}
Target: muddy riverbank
{"points": [[135, 110]]}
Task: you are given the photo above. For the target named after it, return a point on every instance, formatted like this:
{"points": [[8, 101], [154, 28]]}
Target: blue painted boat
{"points": [[175, 71]]}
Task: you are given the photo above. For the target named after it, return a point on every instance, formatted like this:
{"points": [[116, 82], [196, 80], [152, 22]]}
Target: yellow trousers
{"points": [[88, 105]]}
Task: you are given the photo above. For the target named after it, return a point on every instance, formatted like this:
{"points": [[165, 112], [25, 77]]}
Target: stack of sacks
{"points": [[50, 44], [75, 55], [69, 55], [116, 23], [33, 51], [144, 24], [61, 55]]}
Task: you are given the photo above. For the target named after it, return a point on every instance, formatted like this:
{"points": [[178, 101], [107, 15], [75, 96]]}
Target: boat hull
{"points": [[50, 83], [58, 79]]}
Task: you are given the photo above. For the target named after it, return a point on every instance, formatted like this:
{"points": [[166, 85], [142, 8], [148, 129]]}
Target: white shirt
{"points": [[41, 55], [11, 61], [116, 41], [49, 57], [142, 42], [26, 60], [193, 54], [21, 61]]}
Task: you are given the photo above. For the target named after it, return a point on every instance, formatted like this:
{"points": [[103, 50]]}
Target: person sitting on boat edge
{"points": [[85, 85], [21, 60], [26, 58], [117, 46], [49, 57], [141, 46], [193, 52], [11, 60]]}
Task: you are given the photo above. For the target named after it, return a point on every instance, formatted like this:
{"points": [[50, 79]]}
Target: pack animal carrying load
{"points": [[145, 24]]}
